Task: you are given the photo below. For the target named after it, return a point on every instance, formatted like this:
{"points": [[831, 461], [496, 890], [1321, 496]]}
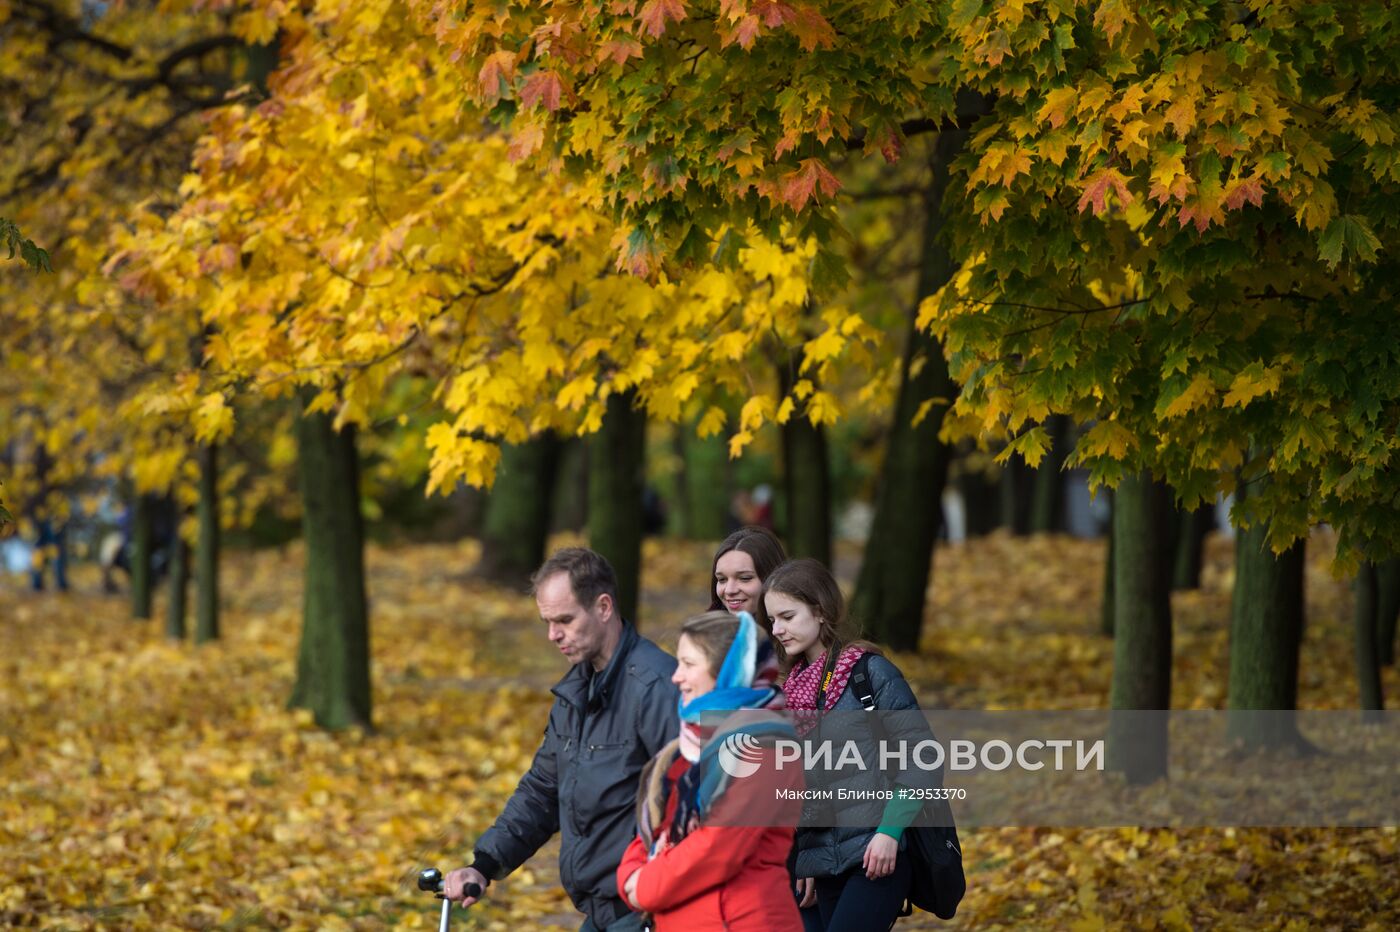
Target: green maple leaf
{"points": [[1348, 234], [32, 255]]}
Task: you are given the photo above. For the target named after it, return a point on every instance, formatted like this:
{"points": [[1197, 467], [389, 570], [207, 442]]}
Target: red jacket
{"points": [[723, 876]]}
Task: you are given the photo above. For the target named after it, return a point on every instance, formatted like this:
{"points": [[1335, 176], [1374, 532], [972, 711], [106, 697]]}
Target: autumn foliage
{"points": [[460, 224], [152, 785], [659, 99], [1170, 223]]}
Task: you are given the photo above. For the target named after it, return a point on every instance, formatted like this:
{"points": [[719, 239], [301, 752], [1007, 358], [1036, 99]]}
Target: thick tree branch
{"points": [[1065, 310], [197, 49], [969, 108], [63, 28], [917, 127]]}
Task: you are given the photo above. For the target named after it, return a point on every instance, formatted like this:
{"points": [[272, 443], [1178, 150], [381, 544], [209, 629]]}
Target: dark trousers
{"points": [[851, 902], [50, 538], [631, 922]]}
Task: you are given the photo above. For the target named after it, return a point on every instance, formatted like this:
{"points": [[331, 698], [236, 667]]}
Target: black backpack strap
{"points": [[860, 683], [861, 688]]}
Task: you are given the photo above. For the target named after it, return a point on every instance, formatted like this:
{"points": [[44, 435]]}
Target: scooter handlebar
{"points": [[431, 880]]}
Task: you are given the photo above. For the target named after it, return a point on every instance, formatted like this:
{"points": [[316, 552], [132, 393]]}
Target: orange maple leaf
{"points": [[525, 139], [787, 143], [655, 13], [1161, 193], [1200, 211], [774, 13], [619, 50], [1182, 116], [542, 87], [802, 185], [499, 67], [1248, 189], [1112, 16], [812, 29], [1096, 192], [890, 145], [745, 32]]}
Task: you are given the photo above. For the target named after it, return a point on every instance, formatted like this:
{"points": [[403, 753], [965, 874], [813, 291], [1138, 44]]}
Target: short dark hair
{"points": [[762, 546], [590, 575]]}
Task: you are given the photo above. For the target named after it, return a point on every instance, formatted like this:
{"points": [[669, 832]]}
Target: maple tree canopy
{"points": [[699, 117], [359, 226], [1173, 223], [1169, 209]]}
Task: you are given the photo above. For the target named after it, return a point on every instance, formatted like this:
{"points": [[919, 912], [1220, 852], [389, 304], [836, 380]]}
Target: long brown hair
{"points": [[812, 584], [762, 546]]}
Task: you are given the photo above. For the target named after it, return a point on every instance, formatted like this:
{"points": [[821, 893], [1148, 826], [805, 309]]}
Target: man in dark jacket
{"points": [[612, 713]]}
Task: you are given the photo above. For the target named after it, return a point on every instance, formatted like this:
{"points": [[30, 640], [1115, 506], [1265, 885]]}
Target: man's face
{"points": [[579, 633]]}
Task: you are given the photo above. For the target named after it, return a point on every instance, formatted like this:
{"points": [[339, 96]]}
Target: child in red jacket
{"points": [[713, 845]]}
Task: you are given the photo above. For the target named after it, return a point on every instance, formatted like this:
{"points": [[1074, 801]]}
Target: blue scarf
{"points": [[747, 680]]}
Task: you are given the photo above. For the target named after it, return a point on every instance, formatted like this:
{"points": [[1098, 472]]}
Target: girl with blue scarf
{"points": [[714, 828]]}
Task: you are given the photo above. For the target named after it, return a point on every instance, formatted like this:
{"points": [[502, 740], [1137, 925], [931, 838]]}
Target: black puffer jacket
{"points": [[583, 782], [834, 849]]}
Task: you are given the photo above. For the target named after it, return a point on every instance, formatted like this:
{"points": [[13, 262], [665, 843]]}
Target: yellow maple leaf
{"points": [[1197, 394], [1255, 380]]}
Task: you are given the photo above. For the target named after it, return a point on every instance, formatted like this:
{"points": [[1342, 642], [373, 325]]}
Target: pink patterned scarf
{"points": [[804, 680]]}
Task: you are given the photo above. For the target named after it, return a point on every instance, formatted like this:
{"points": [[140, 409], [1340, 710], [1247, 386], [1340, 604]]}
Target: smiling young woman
{"points": [[742, 562]]}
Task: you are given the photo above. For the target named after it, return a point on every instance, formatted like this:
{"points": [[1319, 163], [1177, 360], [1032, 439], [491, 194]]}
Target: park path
{"points": [[277, 813]]}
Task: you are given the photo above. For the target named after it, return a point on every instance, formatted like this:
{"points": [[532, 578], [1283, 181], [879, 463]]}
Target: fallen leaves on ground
{"points": [[1014, 624], [157, 785]]}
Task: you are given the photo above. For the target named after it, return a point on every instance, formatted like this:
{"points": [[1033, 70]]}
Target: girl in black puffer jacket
{"points": [[860, 875]]}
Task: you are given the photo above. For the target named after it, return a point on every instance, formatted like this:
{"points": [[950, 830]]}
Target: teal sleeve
{"points": [[898, 814]]}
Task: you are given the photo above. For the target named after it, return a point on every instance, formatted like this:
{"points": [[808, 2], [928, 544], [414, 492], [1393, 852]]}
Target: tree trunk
{"points": [[179, 588], [894, 574], [981, 502], [571, 487], [703, 489], [1017, 488], [142, 541], [1142, 639], [1192, 528], [616, 477], [806, 479], [333, 678], [1048, 495], [807, 482], [1368, 668], [1266, 632], [518, 511], [680, 518], [207, 548], [1106, 606], [1388, 608]]}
